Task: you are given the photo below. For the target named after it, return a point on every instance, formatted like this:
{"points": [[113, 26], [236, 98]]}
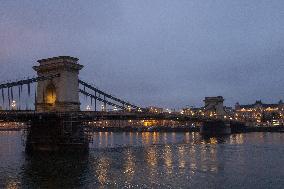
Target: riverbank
{"points": [[11, 129], [265, 129], [243, 129], [144, 129]]}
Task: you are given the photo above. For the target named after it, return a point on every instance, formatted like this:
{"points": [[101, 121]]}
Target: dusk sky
{"points": [[168, 53]]}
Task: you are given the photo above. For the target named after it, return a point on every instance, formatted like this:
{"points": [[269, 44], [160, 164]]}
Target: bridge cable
{"points": [[107, 95], [3, 97], [20, 84], [100, 99], [9, 97], [27, 81]]}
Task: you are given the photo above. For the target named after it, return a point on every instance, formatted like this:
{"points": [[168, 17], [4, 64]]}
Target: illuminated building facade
{"points": [[153, 109], [271, 114], [192, 111], [213, 107]]}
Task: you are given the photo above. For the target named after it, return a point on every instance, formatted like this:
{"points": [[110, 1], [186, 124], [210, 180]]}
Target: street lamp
{"points": [[14, 105]]}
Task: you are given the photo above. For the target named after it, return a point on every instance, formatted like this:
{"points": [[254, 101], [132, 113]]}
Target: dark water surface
{"points": [[149, 160]]}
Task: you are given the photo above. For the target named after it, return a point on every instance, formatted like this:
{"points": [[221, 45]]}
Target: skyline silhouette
{"points": [[162, 53]]}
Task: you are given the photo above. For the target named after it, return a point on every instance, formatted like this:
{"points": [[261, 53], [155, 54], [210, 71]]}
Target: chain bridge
{"points": [[56, 119]]}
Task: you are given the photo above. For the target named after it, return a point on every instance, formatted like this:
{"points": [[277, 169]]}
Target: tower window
{"points": [[50, 97]]}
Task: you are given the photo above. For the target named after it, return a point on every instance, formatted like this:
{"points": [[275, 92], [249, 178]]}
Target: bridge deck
{"points": [[97, 115]]}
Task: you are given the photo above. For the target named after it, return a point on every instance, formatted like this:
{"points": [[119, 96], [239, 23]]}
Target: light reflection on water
{"points": [[102, 166], [149, 160]]}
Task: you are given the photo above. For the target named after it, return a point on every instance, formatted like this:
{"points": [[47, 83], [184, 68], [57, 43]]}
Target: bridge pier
{"points": [[216, 127], [56, 128], [56, 132]]}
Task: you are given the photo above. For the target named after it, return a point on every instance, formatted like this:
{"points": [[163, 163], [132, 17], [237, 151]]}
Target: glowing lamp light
{"points": [[14, 105]]}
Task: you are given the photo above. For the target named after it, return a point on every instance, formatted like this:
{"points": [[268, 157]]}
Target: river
{"points": [[149, 160]]}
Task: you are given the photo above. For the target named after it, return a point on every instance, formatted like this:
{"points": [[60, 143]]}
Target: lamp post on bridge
{"points": [[13, 105]]}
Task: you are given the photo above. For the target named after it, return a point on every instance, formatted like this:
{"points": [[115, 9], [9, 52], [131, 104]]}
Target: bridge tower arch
{"points": [[50, 96], [58, 94]]}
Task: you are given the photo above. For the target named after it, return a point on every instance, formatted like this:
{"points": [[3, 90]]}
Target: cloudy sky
{"points": [[169, 53]]}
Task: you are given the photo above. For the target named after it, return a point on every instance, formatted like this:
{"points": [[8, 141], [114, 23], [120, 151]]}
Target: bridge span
{"points": [[56, 120], [28, 115]]}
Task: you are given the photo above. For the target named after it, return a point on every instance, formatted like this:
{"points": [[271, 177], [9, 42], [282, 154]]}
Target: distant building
{"points": [[192, 111], [230, 111], [260, 112], [213, 107], [153, 109]]}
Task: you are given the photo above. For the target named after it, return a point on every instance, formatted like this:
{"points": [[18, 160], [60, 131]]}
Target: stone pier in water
{"points": [[57, 127]]}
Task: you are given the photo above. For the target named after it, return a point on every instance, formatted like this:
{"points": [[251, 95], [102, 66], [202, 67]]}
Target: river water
{"points": [[149, 160]]}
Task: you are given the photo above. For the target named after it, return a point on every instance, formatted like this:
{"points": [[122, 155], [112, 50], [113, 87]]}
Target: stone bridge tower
{"points": [[60, 93], [214, 106]]}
